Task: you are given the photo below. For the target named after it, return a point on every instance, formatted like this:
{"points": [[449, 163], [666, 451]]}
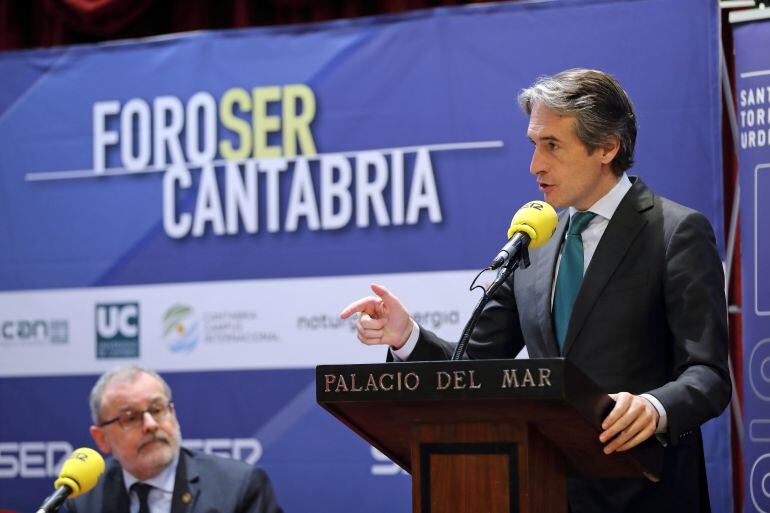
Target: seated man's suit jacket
{"points": [[650, 317], [204, 484]]}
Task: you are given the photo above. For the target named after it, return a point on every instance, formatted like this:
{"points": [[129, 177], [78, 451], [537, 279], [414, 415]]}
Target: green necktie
{"points": [[570, 274]]}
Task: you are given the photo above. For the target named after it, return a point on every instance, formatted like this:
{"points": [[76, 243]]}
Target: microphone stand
{"points": [[520, 260]]}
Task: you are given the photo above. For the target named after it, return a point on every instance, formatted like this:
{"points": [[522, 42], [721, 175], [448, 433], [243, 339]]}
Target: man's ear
{"points": [[100, 437], [610, 150]]}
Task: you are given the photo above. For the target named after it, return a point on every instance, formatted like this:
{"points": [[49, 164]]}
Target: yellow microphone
{"points": [[78, 475], [531, 226]]}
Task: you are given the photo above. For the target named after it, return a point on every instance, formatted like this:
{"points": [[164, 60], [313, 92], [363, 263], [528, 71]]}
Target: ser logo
{"points": [[117, 330], [244, 449], [32, 459]]}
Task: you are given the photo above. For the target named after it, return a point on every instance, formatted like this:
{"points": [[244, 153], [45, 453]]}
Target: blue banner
{"points": [[752, 70], [206, 204], [401, 132]]}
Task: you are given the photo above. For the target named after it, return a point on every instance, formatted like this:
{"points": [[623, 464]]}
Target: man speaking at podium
{"points": [[134, 419], [630, 289]]}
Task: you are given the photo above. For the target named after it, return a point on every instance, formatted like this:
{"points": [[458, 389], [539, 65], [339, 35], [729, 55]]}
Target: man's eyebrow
{"points": [[545, 138], [154, 400]]}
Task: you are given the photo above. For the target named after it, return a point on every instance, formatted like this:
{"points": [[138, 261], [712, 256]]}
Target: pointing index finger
{"points": [[364, 305]]}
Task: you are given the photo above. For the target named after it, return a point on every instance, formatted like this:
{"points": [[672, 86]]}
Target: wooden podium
{"points": [[483, 436]]}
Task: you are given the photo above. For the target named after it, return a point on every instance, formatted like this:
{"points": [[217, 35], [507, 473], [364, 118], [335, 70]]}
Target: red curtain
{"points": [[44, 23]]}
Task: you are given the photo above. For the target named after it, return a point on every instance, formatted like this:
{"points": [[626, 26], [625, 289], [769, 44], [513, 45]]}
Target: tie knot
{"points": [[142, 490], [579, 222]]}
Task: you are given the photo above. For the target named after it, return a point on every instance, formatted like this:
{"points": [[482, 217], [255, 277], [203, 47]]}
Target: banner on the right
{"points": [[752, 68]]}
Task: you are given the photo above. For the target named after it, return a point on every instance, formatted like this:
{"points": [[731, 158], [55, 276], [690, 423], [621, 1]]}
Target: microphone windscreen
{"points": [[81, 471], [537, 219]]}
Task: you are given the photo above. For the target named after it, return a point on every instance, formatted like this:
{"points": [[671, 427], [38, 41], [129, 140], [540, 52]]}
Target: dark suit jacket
{"points": [[204, 484], [650, 318]]}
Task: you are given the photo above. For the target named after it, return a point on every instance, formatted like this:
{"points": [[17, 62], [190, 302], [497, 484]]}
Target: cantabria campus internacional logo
{"points": [[117, 330], [180, 328]]}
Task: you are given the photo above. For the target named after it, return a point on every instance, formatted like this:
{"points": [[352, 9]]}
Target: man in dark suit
{"points": [[630, 289], [134, 419]]}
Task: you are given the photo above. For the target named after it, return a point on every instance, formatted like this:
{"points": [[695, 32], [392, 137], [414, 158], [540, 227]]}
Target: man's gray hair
{"points": [[124, 374], [601, 107]]}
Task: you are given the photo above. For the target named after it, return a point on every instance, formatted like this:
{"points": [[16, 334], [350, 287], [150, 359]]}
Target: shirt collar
{"points": [[608, 204], [163, 481]]}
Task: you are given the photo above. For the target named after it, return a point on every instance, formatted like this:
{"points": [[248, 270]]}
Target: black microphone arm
{"points": [[518, 258], [53, 502], [511, 248]]}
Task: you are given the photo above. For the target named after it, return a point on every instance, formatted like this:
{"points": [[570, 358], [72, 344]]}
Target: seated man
{"points": [[134, 419]]}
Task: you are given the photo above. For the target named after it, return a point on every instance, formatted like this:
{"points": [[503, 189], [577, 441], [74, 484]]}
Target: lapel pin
{"points": [[186, 498]]}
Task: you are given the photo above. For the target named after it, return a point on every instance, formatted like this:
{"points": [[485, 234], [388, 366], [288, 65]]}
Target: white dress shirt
{"points": [[604, 210], [159, 498]]}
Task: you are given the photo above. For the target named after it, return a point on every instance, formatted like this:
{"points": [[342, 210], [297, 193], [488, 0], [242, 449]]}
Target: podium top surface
{"points": [[382, 402]]}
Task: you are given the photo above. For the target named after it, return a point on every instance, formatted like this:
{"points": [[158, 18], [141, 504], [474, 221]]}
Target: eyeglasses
{"points": [[133, 419]]}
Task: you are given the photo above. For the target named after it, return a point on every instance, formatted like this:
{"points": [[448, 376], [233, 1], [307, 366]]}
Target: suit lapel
{"points": [[186, 488], [115, 497], [546, 266], [623, 228]]}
